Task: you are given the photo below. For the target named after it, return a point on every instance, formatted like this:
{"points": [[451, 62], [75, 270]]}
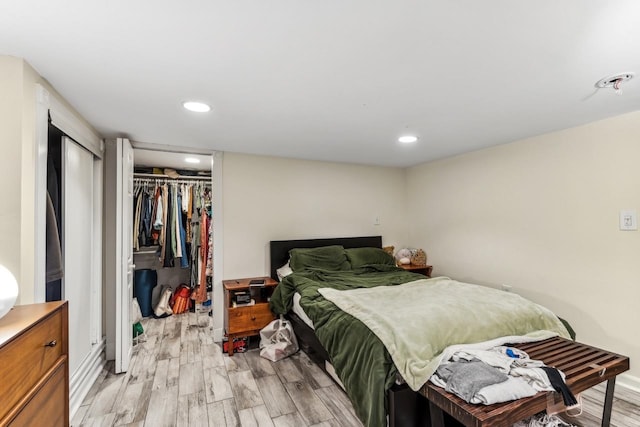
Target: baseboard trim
{"points": [[217, 335], [629, 382], [81, 381]]}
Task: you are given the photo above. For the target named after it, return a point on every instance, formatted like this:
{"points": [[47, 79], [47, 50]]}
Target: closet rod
{"points": [[168, 178]]}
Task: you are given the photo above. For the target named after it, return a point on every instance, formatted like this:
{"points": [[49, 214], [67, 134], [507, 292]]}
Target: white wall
{"points": [[18, 141], [11, 72], [542, 216], [18, 82], [268, 198]]}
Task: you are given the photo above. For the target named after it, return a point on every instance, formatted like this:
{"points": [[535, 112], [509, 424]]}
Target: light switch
{"points": [[628, 220]]}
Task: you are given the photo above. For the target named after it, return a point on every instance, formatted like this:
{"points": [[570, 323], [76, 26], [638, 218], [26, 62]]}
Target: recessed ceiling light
{"points": [[197, 107], [407, 139], [191, 160]]}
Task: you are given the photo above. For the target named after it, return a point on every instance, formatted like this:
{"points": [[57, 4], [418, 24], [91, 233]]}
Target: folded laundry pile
{"points": [[498, 375]]}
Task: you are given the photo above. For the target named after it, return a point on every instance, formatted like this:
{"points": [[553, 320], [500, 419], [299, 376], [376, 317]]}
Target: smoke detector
{"points": [[615, 81]]}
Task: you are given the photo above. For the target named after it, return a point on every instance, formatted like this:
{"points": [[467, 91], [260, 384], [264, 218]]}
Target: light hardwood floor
{"points": [[179, 377]]}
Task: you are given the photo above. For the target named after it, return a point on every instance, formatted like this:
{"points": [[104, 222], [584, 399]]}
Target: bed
{"points": [[344, 345]]}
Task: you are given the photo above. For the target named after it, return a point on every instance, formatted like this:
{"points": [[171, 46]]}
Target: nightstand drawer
{"points": [[420, 269], [262, 314], [249, 318]]}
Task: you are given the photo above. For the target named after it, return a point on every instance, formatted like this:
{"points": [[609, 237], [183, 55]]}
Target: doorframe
{"points": [[124, 254], [217, 158], [217, 293]]}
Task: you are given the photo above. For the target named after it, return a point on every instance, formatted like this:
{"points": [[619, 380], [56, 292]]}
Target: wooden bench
{"points": [[583, 365]]}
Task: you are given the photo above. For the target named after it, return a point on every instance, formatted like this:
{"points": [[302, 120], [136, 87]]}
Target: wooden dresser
{"points": [[34, 368]]}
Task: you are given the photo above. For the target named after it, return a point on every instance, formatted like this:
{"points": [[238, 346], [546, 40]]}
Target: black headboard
{"points": [[279, 249]]}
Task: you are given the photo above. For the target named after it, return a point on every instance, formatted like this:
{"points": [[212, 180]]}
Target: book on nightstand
{"points": [[246, 304], [257, 283]]}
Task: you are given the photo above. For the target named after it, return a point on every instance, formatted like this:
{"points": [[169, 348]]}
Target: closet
{"points": [[54, 266], [172, 238], [74, 240], [68, 232]]}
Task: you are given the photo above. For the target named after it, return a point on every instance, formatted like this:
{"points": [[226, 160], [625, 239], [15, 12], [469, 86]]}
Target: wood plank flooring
{"points": [[179, 377]]}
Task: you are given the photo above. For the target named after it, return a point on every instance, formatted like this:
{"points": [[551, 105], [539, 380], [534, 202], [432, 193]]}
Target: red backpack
{"points": [[180, 301]]}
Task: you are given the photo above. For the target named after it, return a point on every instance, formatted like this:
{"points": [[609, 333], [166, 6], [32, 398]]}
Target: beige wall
{"points": [[11, 105], [541, 215], [18, 82], [28, 185], [17, 139], [267, 198]]}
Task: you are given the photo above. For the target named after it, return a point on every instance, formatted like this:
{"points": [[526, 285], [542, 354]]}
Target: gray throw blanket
{"points": [[465, 379]]}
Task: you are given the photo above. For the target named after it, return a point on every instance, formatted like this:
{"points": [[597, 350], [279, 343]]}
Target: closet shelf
{"points": [[147, 250]]}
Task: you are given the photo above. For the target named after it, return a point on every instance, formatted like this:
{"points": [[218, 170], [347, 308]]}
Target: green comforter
{"points": [[361, 360]]}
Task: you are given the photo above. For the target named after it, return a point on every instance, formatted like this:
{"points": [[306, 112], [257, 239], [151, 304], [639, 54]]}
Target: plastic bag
{"points": [[136, 313], [277, 340]]}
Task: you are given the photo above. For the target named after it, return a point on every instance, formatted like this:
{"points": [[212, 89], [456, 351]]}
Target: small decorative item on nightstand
{"points": [[419, 257], [389, 249]]}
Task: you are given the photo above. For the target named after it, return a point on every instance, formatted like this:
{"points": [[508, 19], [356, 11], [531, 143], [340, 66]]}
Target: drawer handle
{"points": [[253, 318], [51, 343]]}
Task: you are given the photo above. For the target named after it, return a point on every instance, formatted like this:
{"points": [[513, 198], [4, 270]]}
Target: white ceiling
{"points": [[331, 80]]}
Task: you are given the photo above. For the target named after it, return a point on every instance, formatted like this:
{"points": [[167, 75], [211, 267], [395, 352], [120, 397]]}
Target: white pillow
{"points": [[284, 271]]}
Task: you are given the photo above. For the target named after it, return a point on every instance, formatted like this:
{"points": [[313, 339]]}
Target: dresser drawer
{"points": [[28, 357], [45, 408], [245, 319]]}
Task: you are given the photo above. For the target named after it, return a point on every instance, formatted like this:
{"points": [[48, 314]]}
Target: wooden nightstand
{"points": [[421, 269], [244, 321]]}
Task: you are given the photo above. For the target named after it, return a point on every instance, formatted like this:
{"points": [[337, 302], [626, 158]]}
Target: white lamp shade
{"points": [[8, 290]]}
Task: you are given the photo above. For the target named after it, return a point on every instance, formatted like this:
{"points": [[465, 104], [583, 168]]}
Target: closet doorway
{"points": [[74, 244], [155, 175], [172, 203]]}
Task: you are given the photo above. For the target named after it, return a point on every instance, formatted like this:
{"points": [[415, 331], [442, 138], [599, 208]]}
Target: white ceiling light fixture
{"points": [[192, 160], [615, 81], [408, 139], [196, 107]]}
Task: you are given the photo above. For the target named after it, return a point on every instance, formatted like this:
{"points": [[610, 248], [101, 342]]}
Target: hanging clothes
{"points": [[176, 217], [54, 265], [170, 240], [165, 211], [182, 254], [189, 211], [170, 215]]}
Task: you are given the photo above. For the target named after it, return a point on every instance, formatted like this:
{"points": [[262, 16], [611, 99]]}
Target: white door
{"points": [[78, 200], [124, 253]]}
